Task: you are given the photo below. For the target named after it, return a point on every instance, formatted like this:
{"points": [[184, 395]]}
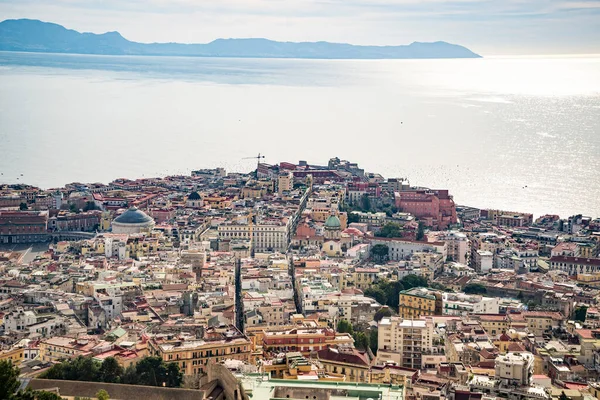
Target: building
{"points": [[194, 355], [515, 368], [285, 182], [436, 207], [404, 249], [132, 221], [23, 226], [271, 235], [457, 245], [484, 261], [303, 340], [418, 302], [345, 360], [18, 320], [575, 265], [403, 341], [194, 200], [60, 348]]}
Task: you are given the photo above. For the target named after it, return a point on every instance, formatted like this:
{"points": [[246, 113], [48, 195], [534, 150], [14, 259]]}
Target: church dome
{"points": [[194, 196], [333, 222], [133, 216]]}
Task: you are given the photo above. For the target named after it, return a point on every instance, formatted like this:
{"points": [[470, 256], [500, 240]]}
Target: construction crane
{"points": [[257, 158]]}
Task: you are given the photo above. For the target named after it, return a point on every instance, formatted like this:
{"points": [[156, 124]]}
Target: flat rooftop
{"points": [[260, 387]]}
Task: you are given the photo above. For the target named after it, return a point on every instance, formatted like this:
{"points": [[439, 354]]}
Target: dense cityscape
{"points": [[292, 281]]}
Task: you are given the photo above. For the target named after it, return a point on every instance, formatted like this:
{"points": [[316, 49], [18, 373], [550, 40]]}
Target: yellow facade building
{"points": [[418, 302]]}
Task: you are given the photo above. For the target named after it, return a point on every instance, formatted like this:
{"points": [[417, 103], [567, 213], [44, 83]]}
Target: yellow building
{"points": [[217, 202], [15, 355], [418, 302], [347, 361], [364, 277], [493, 324], [194, 355], [392, 375], [60, 348]]}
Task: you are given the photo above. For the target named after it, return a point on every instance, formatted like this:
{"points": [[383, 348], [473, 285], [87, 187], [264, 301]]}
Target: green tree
{"points": [[420, 231], [374, 340], [110, 370], [42, 395], [475, 288], [23, 206], [345, 327], [563, 396], [390, 230], [174, 375], [413, 281], [377, 293], [8, 376], [380, 252], [73, 208], [353, 217], [365, 203], [361, 341], [580, 313], [381, 313], [89, 205], [102, 395]]}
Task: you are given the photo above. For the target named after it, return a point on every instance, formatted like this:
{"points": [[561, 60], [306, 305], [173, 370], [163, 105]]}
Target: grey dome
{"points": [[194, 196], [133, 216]]}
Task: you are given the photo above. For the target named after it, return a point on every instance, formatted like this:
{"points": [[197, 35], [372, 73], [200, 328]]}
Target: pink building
{"points": [[436, 207]]}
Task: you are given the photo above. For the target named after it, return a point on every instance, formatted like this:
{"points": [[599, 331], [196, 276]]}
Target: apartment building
{"points": [[418, 302], [403, 341]]}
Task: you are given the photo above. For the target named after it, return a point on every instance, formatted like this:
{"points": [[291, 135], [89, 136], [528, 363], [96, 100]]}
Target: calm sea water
{"points": [[514, 133]]}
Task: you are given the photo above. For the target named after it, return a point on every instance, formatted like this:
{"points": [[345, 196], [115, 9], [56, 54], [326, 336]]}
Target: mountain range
{"points": [[36, 36]]}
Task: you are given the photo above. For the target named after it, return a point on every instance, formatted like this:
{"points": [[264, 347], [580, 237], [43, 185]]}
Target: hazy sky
{"points": [[485, 26]]}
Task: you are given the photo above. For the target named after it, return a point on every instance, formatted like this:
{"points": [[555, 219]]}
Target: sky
{"points": [[488, 27]]}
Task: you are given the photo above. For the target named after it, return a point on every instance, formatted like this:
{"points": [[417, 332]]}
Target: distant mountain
{"points": [[37, 36]]}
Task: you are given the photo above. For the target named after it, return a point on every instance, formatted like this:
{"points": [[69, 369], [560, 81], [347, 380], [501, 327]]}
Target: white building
{"points": [[515, 368], [485, 261], [403, 341], [457, 245], [402, 249], [464, 304], [267, 236], [18, 320]]}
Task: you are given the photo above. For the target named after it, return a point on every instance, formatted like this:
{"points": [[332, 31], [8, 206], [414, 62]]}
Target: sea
{"points": [[514, 133]]}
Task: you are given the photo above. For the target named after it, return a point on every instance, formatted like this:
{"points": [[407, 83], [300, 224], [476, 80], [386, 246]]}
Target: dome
{"points": [[333, 222], [194, 196], [133, 216]]}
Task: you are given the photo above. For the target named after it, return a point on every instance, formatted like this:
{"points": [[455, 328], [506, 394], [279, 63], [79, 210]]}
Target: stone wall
{"points": [[115, 391]]}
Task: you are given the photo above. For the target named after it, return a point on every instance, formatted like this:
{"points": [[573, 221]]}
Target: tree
{"points": [[475, 288], [374, 340], [381, 313], [8, 376], [563, 396], [377, 293], [42, 395], [345, 327], [23, 206], [89, 205], [580, 313], [353, 217], [73, 208], [390, 230], [102, 395], [361, 341], [365, 203], [380, 252], [420, 231], [412, 281], [110, 370], [174, 375]]}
